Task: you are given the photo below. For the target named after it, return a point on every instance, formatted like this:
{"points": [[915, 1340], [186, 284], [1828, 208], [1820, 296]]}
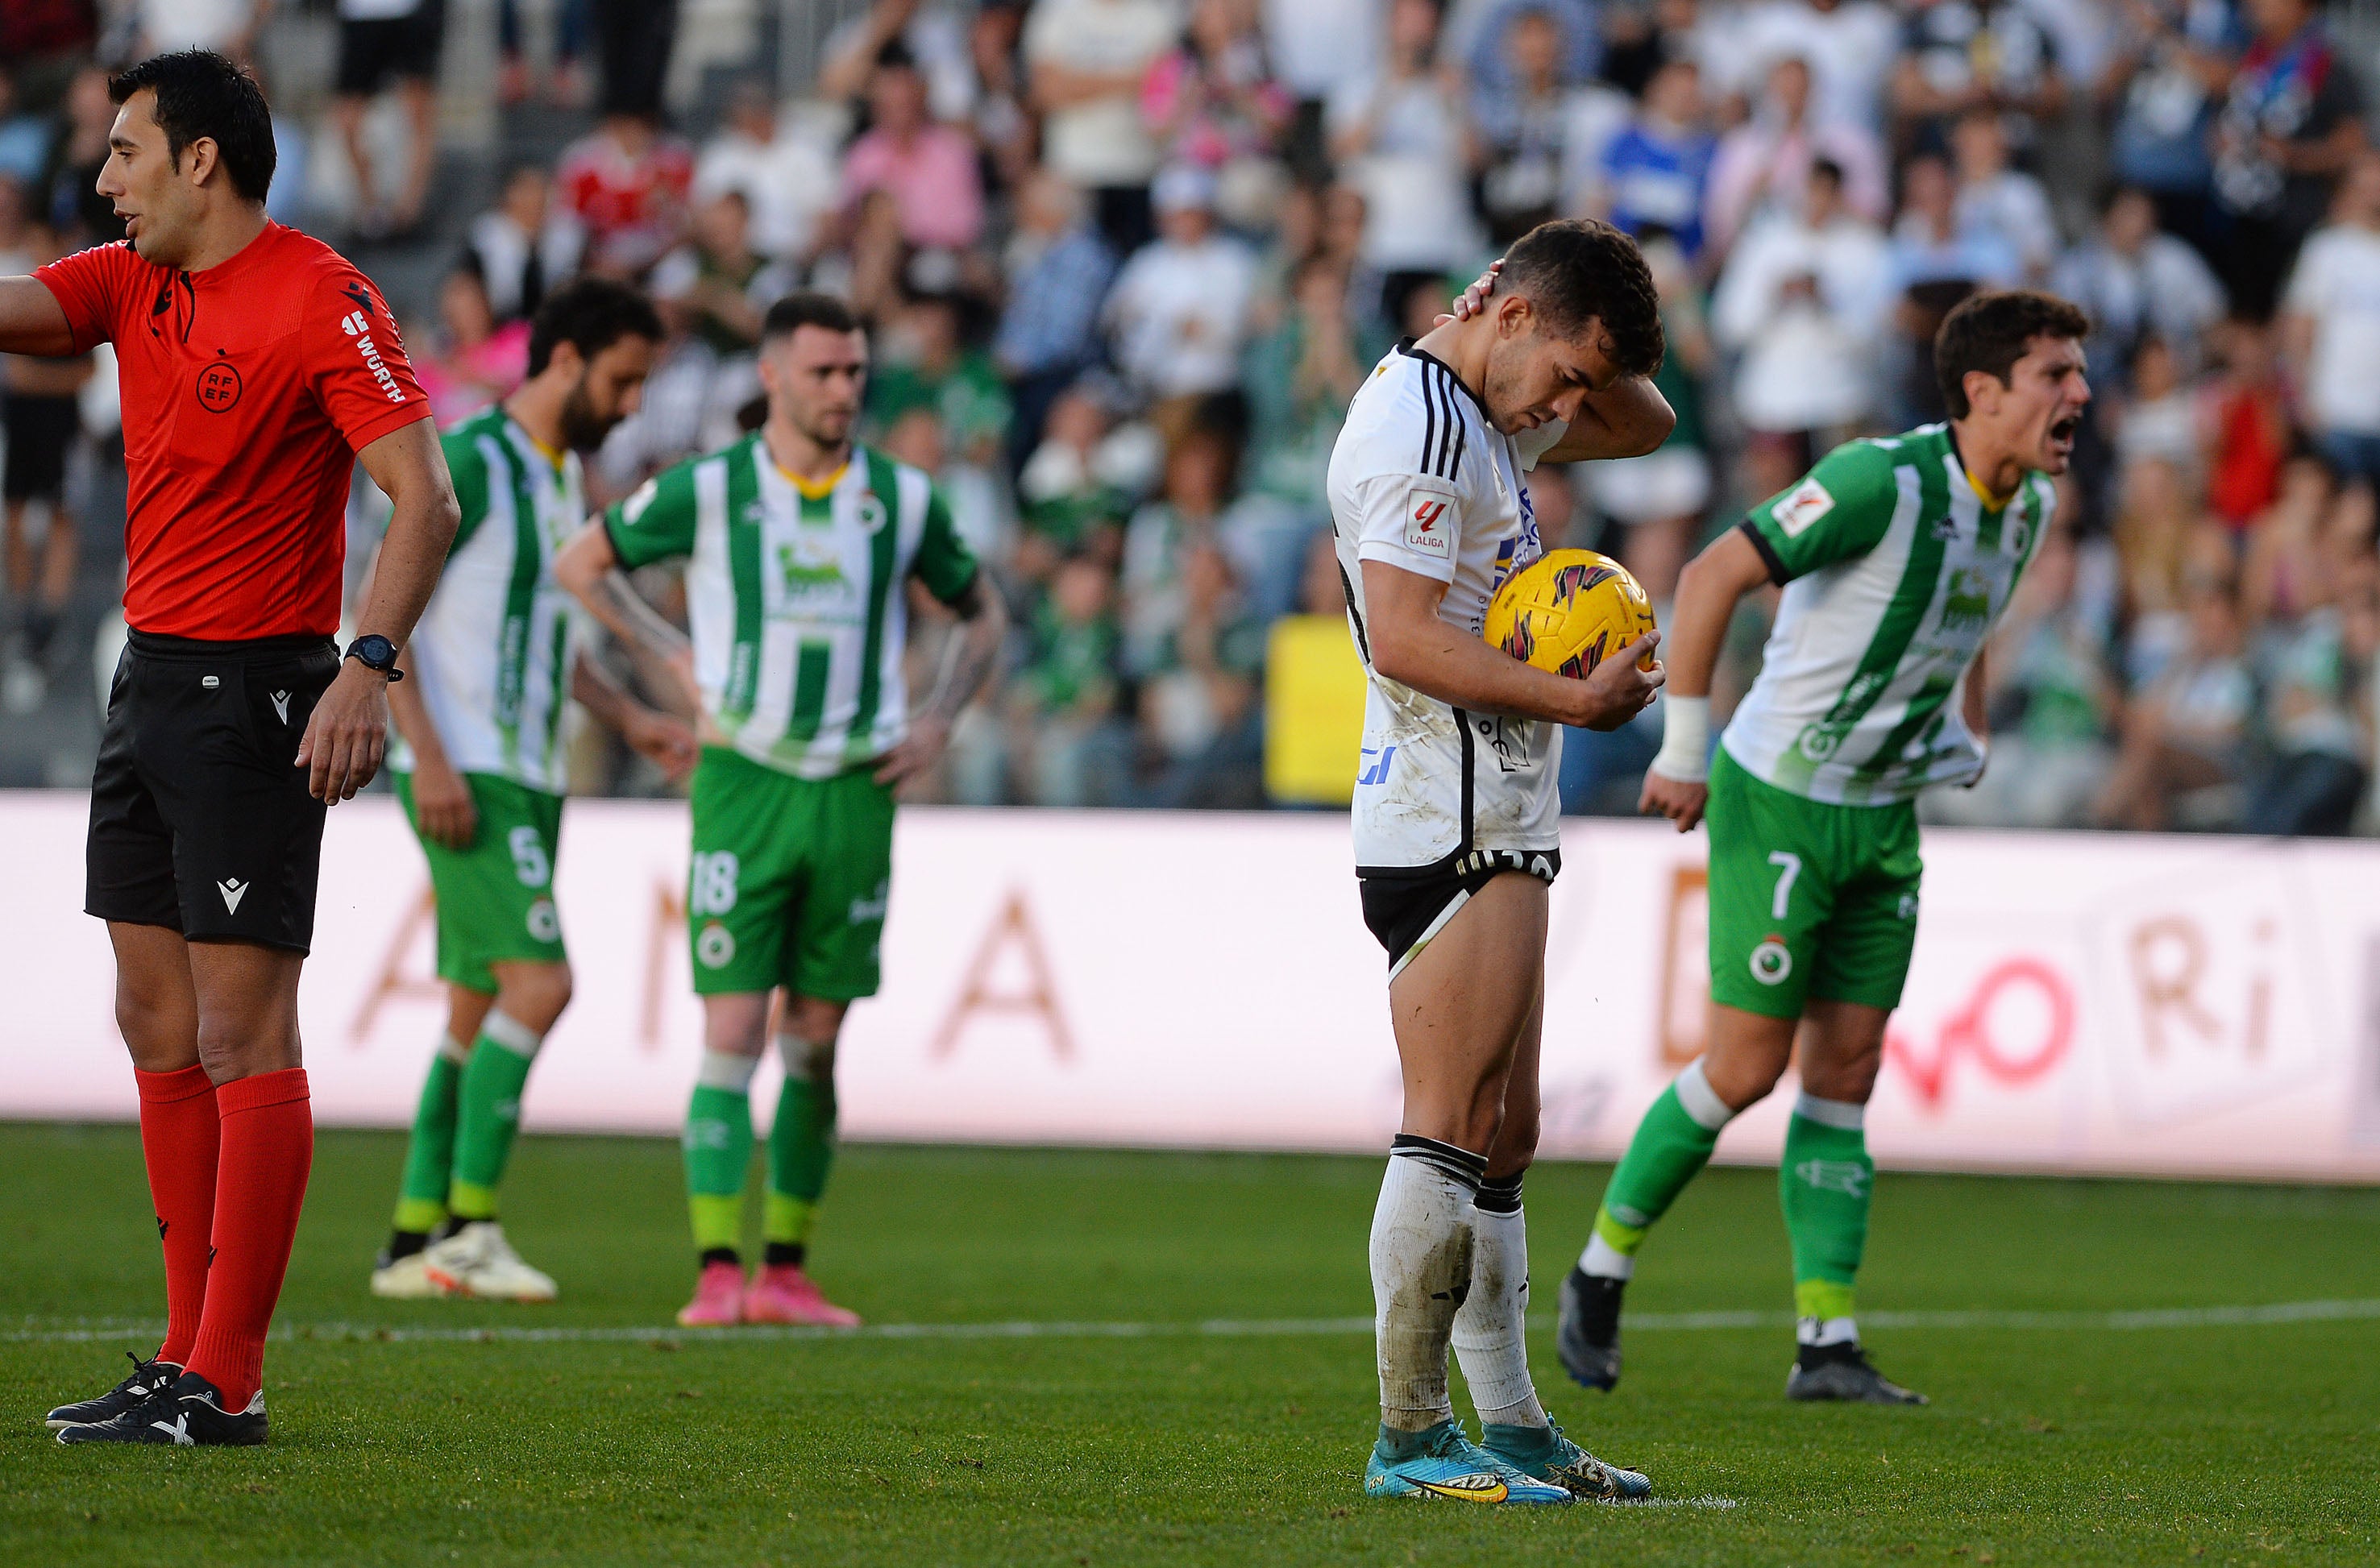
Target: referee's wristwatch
{"points": [[376, 652]]}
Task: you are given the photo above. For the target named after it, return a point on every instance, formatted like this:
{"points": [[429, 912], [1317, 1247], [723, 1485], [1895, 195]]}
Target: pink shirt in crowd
{"points": [[933, 179]]}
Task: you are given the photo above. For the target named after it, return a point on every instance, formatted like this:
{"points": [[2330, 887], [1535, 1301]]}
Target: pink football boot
{"points": [[780, 1292], [718, 1297]]}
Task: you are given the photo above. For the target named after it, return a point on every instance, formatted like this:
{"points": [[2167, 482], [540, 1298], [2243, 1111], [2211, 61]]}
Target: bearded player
{"points": [[1457, 826], [1897, 557], [805, 551], [481, 771]]}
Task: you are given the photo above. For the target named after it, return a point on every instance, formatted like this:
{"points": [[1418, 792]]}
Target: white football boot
{"points": [[478, 1262], [405, 1279]]}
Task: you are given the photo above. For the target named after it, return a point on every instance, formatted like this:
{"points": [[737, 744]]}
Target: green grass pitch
{"points": [[2085, 1439]]}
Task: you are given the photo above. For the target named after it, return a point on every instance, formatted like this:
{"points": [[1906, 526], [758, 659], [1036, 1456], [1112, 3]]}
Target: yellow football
{"points": [[1568, 609]]}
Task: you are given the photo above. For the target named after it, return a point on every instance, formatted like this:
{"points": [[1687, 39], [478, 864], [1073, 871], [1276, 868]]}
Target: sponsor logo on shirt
{"points": [[1803, 505], [1430, 519], [1374, 765], [1967, 600], [357, 324]]}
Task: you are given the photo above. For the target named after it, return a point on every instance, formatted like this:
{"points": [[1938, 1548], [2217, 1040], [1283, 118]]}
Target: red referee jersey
{"points": [[247, 389]]}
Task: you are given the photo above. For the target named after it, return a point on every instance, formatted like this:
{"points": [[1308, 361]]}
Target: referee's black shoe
{"points": [[188, 1414], [1586, 1327], [1844, 1372], [148, 1378]]}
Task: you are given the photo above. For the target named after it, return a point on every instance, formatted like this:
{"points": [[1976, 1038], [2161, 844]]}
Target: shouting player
{"points": [[805, 549], [258, 367], [1896, 556], [481, 771], [1457, 824]]}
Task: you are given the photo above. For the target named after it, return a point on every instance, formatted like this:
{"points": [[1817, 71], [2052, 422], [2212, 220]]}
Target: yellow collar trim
{"points": [[812, 490]]}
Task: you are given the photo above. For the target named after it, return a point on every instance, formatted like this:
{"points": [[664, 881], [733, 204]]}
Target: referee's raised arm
{"points": [[31, 321]]}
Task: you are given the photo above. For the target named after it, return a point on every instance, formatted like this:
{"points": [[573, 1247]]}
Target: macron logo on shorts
{"points": [[233, 890]]}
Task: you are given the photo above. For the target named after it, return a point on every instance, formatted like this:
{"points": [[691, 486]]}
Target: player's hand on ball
{"points": [[1620, 688], [928, 737], [1679, 799], [442, 804], [1473, 300], [668, 744], [347, 734]]}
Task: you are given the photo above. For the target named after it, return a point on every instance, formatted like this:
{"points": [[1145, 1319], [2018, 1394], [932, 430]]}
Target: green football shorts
{"points": [[789, 879], [495, 899], [1807, 898]]}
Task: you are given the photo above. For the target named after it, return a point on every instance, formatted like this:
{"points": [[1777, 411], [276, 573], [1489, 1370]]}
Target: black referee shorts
{"points": [[199, 820]]}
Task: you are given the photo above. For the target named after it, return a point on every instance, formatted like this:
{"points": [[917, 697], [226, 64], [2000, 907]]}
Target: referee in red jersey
{"points": [[257, 366]]}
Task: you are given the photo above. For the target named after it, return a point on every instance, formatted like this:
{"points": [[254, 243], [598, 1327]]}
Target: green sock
{"points": [[492, 1096], [719, 1149], [801, 1153], [430, 1153], [1824, 1182], [1671, 1146]]}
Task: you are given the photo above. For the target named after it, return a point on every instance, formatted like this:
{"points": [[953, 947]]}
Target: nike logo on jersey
{"points": [[281, 706], [232, 891]]}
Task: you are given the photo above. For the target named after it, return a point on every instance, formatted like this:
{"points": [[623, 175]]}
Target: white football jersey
{"points": [[1420, 480]]}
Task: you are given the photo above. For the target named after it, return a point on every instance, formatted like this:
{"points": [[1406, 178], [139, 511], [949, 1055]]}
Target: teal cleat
{"points": [[1542, 1453], [1442, 1463]]}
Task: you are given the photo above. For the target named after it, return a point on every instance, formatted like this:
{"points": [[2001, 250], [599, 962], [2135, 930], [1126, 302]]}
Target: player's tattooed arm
{"points": [[587, 567], [663, 739], [969, 655], [1412, 645]]}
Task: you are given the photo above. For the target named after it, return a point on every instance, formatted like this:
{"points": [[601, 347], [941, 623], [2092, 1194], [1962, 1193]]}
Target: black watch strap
{"points": [[376, 652]]}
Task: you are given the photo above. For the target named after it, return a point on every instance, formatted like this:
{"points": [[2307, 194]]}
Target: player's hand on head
{"points": [[1473, 300], [442, 804], [1620, 687], [347, 734], [1679, 799]]}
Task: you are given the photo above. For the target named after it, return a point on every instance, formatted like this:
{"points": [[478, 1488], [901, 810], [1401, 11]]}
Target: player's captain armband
{"points": [[1430, 517], [1803, 505]]}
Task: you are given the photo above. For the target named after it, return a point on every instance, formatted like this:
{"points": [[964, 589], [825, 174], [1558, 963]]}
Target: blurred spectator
{"points": [[1996, 198], [786, 177], [930, 169], [1962, 55], [1542, 141], [1656, 169], [718, 284], [2290, 127], [2185, 739], [568, 86], [40, 423], [383, 43], [1087, 59], [2246, 425], [1800, 301], [1064, 701], [1477, 31], [1300, 376], [1180, 309], [635, 38], [926, 361], [2165, 79], [2134, 281], [71, 203], [523, 246], [1399, 138], [1319, 47], [1935, 262], [2159, 418], [227, 26], [1079, 484], [626, 184], [1198, 694], [1003, 119], [1058, 269], [471, 360], [1212, 101], [42, 44], [1662, 496], [2159, 541], [937, 37], [2331, 326], [1850, 44], [1761, 165]]}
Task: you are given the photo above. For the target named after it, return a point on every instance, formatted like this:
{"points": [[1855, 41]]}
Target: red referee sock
{"points": [[268, 1148], [179, 1127]]}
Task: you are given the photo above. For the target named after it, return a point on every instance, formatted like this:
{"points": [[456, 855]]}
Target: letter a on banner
{"points": [[390, 982], [1012, 927]]}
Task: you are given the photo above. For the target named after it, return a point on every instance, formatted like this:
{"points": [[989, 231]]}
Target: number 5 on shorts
{"points": [[1789, 866]]}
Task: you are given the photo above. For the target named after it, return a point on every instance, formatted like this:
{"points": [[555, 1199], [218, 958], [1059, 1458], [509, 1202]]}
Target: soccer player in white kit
{"points": [[1457, 820]]}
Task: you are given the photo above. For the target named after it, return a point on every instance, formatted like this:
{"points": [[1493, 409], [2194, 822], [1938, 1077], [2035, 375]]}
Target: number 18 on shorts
{"points": [[1807, 898]]}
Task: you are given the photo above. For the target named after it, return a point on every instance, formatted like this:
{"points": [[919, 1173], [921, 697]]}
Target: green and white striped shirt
{"points": [[1895, 573], [493, 650], [798, 613]]}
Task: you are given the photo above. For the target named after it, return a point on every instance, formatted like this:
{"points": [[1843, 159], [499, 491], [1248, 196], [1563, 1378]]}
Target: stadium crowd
{"points": [[1126, 259]]}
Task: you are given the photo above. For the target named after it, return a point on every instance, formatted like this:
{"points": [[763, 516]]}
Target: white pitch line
{"points": [[2268, 1315]]}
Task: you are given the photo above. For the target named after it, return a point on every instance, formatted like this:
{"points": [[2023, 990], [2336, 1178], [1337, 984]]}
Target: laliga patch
{"points": [[1803, 505], [1430, 518]]}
